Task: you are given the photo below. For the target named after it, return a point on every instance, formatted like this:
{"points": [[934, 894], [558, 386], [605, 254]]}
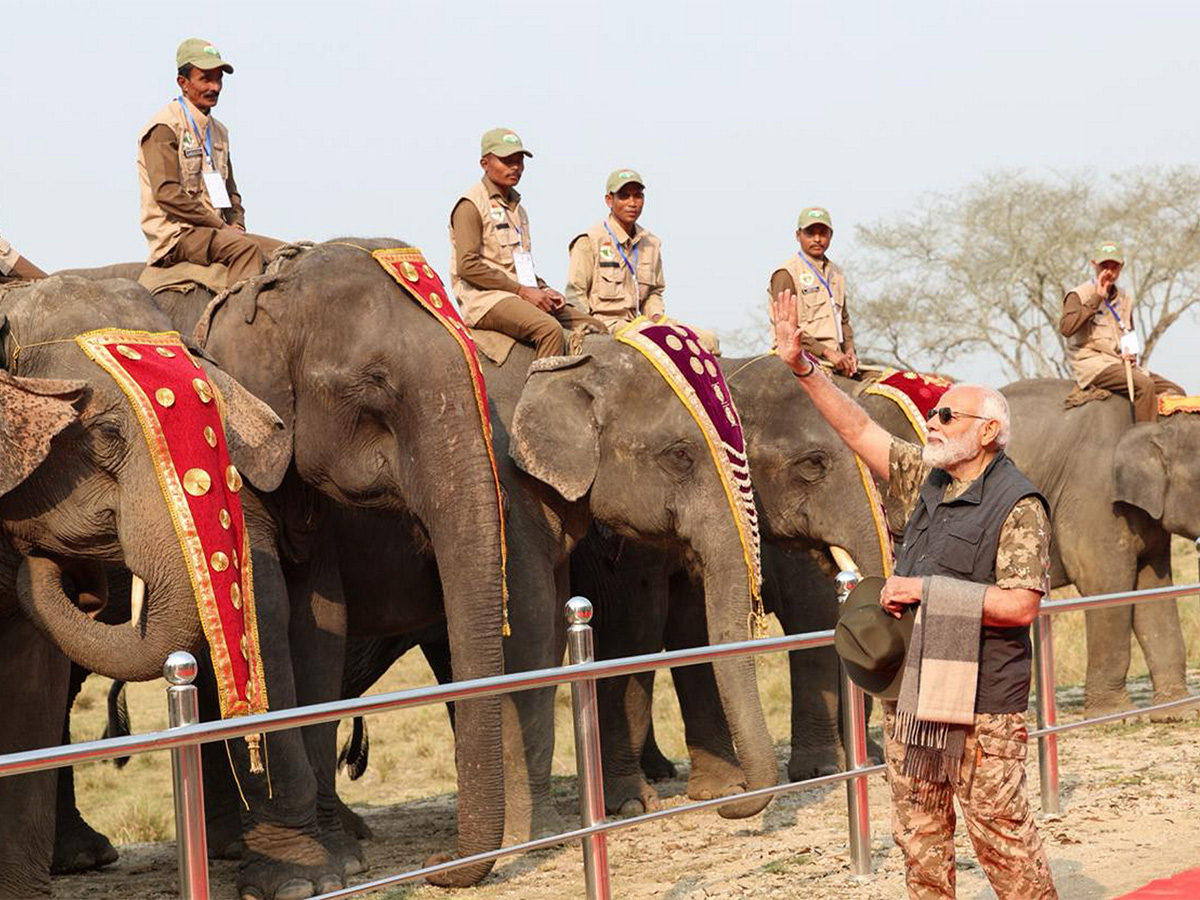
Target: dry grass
{"points": [[412, 754]]}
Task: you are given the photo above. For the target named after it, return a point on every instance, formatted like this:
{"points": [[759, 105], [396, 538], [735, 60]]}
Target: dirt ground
{"points": [[1131, 795]]}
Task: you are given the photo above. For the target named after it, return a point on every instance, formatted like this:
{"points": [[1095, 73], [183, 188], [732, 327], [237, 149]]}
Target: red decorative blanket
{"points": [[915, 393]]}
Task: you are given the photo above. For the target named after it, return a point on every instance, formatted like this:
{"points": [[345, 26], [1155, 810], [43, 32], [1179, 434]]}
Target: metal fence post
{"points": [[1047, 714], [587, 750], [190, 841], [854, 739]]}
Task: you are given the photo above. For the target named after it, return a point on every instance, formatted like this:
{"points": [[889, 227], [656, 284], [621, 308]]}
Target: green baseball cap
{"points": [[620, 178], [872, 643], [814, 215], [1108, 250], [201, 54], [501, 142]]}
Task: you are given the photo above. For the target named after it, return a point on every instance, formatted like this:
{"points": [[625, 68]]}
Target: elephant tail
{"points": [[118, 718], [356, 751]]}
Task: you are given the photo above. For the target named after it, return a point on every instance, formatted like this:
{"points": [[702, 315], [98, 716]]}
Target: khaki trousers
{"points": [[523, 321], [245, 255], [992, 793], [1146, 388]]}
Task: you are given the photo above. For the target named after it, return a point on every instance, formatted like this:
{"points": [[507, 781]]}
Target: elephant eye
{"points": [[678, 460], [812, 466], [106, 442]]}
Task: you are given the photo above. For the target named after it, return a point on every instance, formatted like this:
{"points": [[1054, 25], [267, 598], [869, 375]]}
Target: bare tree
{"points": [[987, 267]]}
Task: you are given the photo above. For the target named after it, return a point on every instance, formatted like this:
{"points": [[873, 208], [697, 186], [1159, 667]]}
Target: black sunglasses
{"points": [[945, 414]]}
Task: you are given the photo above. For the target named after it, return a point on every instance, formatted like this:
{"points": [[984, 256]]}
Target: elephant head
{"points": [[606, 430], [1155, 469], [810, 489], [78, 486]]}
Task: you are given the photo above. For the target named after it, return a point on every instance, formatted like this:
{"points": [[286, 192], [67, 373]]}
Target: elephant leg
{"points": [[35, 675], [538, 640], [655, 765], [1109, 632], [1160, 634], [805, 600], [77, 846], [317, 631], [715, 771], [628, 589]]}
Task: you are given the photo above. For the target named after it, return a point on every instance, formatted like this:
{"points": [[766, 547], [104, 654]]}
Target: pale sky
{"points": [[361, 118]]}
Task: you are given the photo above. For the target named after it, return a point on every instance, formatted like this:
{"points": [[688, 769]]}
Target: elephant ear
{"points": [[259, 444], [555, 436], [1140, 471], [32, 412]]}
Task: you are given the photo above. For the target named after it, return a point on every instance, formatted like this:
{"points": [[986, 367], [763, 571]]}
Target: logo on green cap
{"points": [[1109, 248], [511, 138], [212, 50], [625, 175], [816, 213]]}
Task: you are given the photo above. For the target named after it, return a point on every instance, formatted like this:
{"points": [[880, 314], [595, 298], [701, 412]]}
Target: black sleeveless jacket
{"points": [[959, 539]]}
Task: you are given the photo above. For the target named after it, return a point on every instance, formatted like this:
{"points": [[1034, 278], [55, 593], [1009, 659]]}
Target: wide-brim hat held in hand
{"points": [[871, 642]]}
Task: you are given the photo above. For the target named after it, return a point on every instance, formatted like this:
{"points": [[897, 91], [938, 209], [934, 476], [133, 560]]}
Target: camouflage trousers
{"points": [[992, 793]]}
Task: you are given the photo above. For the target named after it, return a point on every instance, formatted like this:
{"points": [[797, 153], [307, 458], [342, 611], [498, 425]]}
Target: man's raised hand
{"points": [[788, 334]]}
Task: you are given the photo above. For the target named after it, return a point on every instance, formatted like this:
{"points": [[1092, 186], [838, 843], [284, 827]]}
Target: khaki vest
{"points": [[819, 319], [1097, 343], [501, 236], [8, 257], [616, 296], [161, 230]]}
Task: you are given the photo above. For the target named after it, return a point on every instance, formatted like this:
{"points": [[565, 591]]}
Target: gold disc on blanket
{"points": [[210, 436], [711, 368], [436, 301], [219, 562], [128, 352], [730, 416], [410, 271], [224, 519], [233, 479], [428, 272], [697, 366], [203, 390], [197, 482], [235, 560], [720, 394], [165, 397], [235, 595], [674, 343], [245, 647], [691, 345], [165, 351]]}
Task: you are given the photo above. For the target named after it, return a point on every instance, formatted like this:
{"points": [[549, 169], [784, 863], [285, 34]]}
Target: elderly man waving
{"points": [[974, 563]]}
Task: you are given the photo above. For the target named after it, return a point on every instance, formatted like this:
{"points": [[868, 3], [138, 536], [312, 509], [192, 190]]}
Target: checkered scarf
{"points": [[937, 693]]}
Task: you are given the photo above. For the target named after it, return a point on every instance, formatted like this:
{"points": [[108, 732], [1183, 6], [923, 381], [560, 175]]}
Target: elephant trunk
{"points": [[466, 540], [727, 605], [114, 651]]}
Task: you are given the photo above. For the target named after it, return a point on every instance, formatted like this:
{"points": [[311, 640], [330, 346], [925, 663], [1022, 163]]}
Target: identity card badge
{"points": [[525, 272], [1129, 343], [214, 183]]}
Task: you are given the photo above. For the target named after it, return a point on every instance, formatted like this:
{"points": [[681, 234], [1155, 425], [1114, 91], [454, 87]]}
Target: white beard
{"points": [[951, 452]]}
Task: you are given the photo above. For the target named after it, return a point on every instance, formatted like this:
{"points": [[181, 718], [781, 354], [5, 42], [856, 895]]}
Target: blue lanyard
{"points": [[1112, 309], [207, 131], [820, 277], [632, 266]]}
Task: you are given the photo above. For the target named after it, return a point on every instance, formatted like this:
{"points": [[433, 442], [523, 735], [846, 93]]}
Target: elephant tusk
{"points": [[137, 599], [845, 562]]}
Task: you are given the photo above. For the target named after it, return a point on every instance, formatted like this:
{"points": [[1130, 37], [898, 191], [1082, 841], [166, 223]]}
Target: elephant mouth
{"points": [[84, 584]]}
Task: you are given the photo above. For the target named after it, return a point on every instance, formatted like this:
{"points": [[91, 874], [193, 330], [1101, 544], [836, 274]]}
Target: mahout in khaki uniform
{"points": [[191, 207], [491, 264], [1097, 321], [954, 723], [615, 269], [14, 266], [819, 286]]}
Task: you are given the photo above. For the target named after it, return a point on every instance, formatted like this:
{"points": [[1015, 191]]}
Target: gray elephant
{"points": [[810, 496], [79, 489], [1117, 493], [380, 412], [598, 436]]}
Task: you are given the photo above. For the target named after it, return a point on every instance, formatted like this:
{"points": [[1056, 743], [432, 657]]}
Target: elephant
{"points": [[595, 437], [79, 490], [810, 496], [380, 413], [1112, 518]]}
